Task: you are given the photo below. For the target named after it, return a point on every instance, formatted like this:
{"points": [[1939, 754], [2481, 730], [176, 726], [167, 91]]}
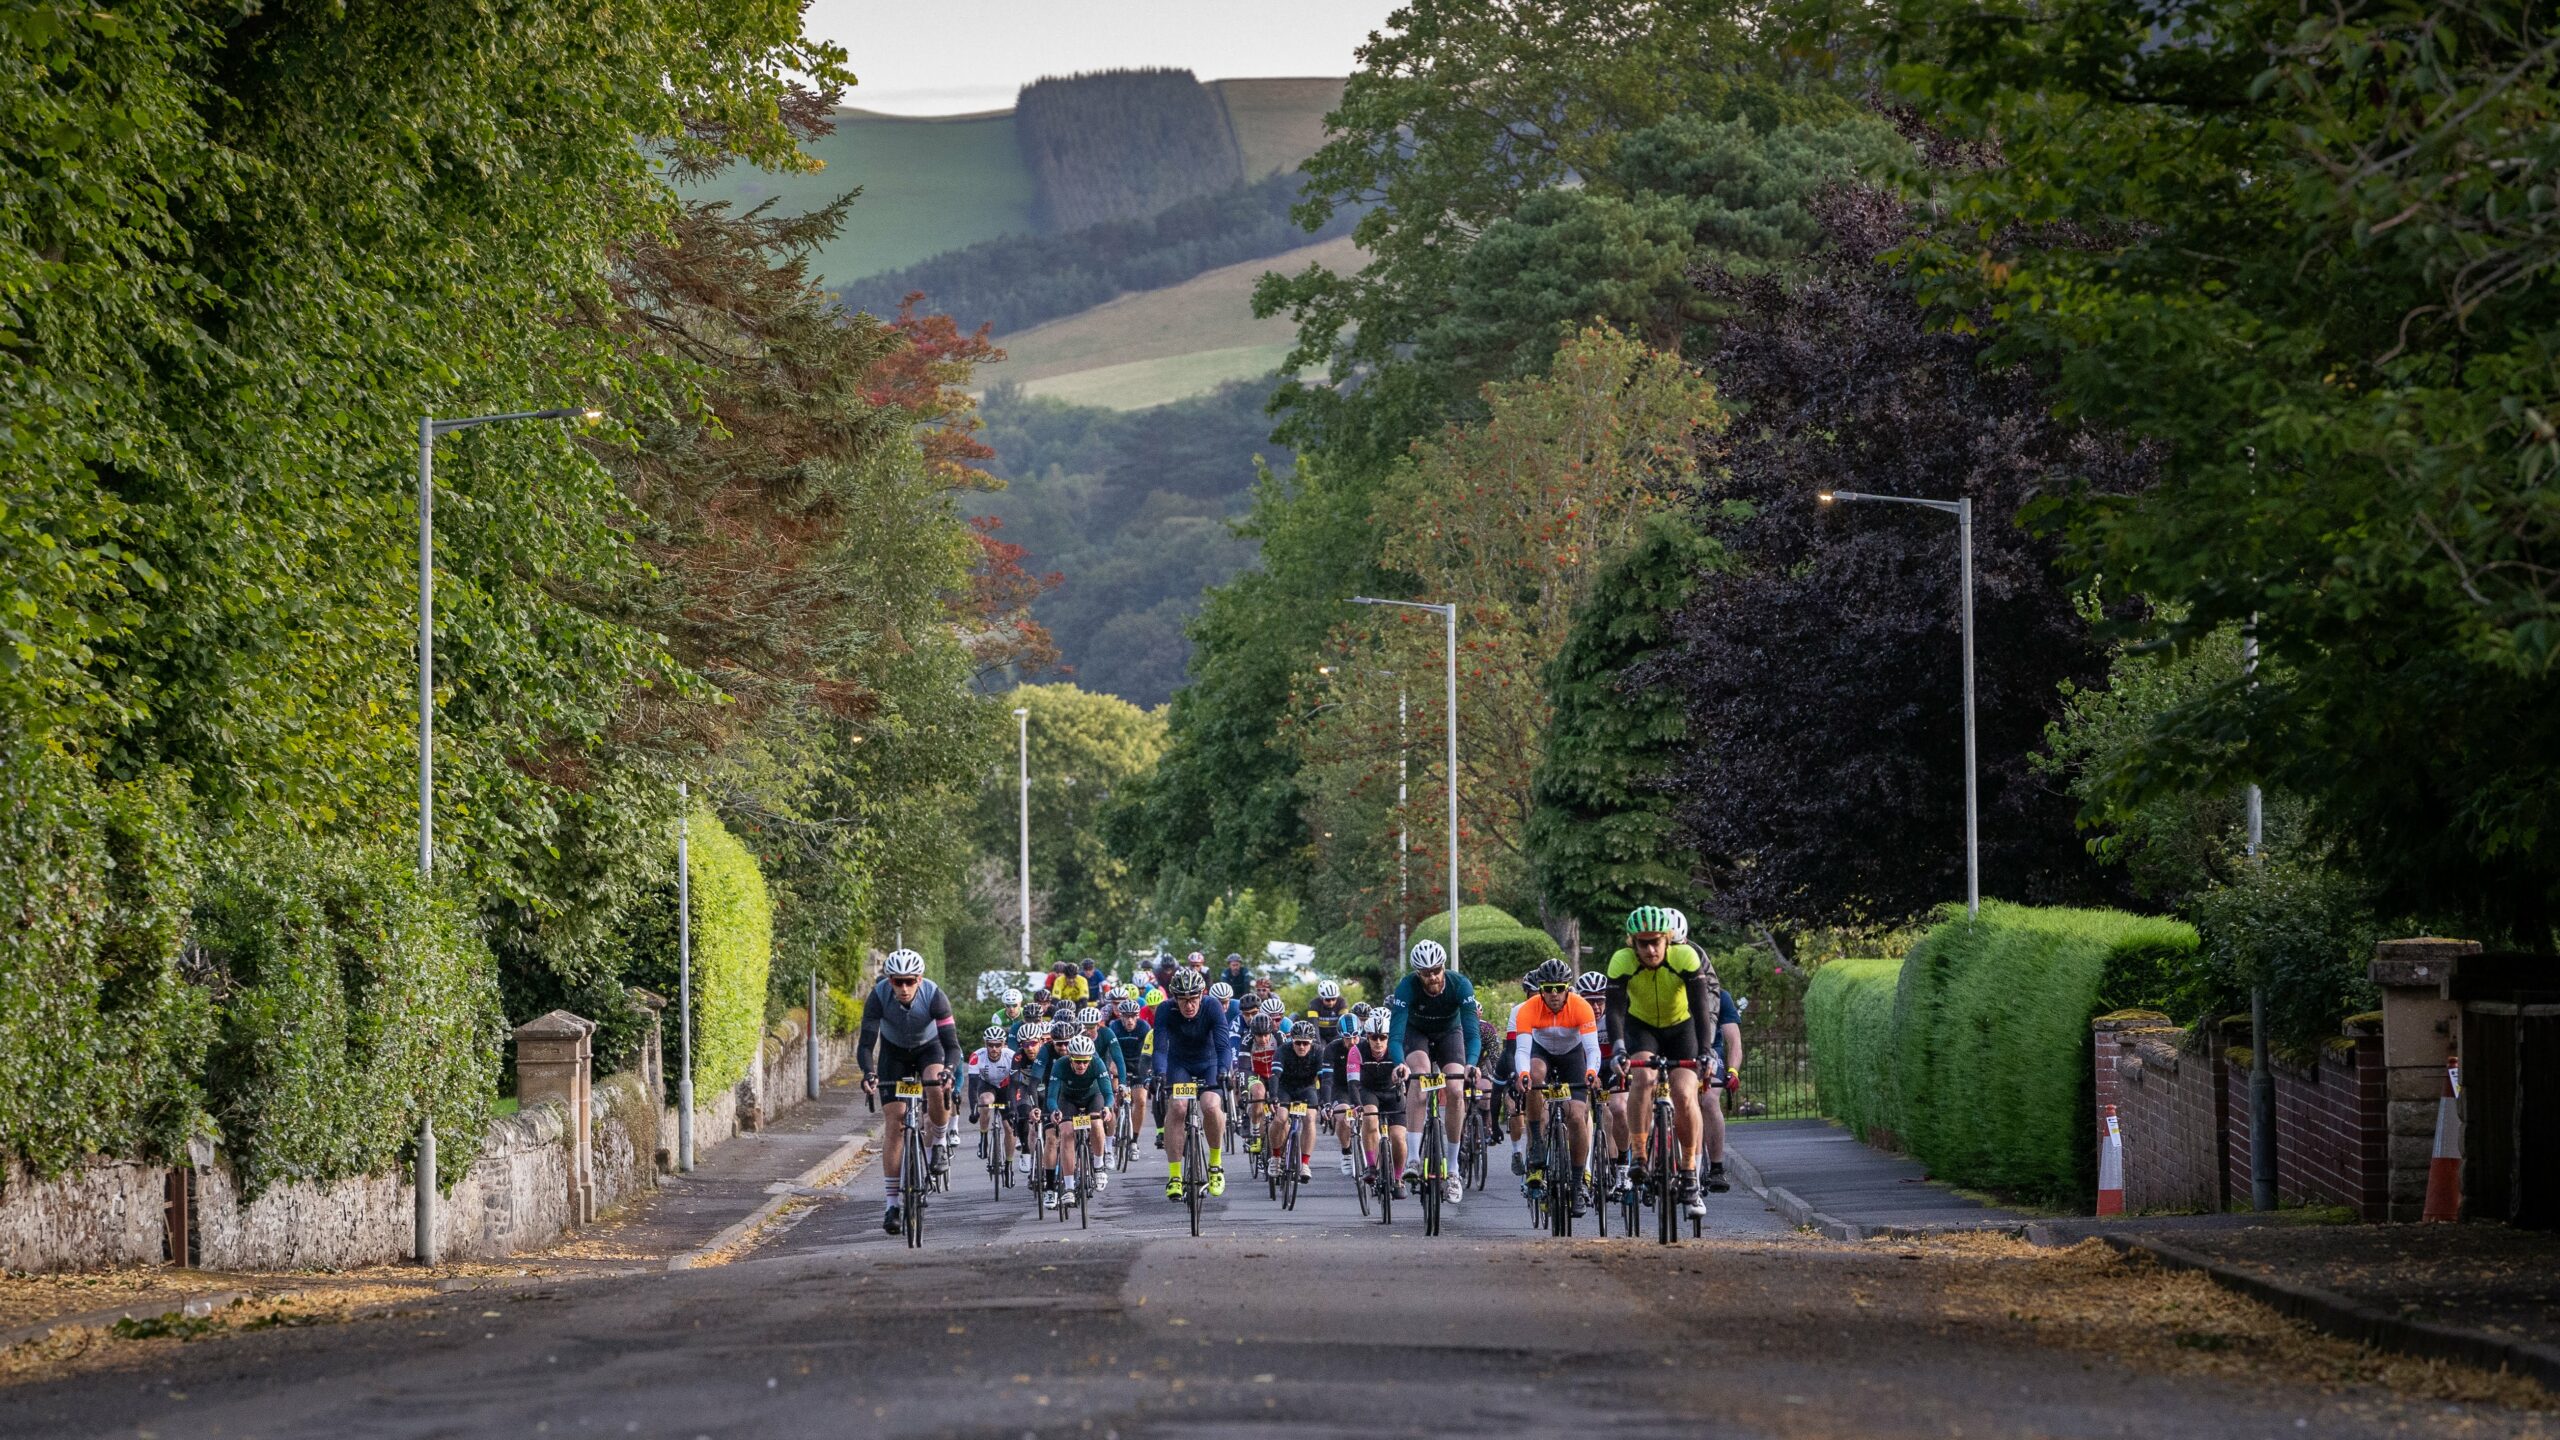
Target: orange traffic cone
{"points": [[2444, 1171], [2111, 1168]]}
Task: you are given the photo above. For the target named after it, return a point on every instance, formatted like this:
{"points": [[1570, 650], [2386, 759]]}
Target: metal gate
{"points": [[1777, 1062]]}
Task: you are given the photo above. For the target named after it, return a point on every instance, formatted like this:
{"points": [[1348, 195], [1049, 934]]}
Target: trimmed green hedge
{"points": [[1992, 1048], [351, 989], [1493, 947], [1848, 1013], [732, 953]]}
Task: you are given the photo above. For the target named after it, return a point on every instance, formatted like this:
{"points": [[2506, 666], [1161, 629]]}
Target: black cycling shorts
{"points": [[1449, 1047], [1390, 1103], [896, 1062], [1561, 1070], [1678, 1043], [1284, 1093]]}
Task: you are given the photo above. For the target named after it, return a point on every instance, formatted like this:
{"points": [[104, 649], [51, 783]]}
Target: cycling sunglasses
{"points": [[1554, 989]]}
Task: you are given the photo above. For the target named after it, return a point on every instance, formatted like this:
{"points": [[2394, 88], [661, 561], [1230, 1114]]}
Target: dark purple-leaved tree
{"points": [[1822, 675]]}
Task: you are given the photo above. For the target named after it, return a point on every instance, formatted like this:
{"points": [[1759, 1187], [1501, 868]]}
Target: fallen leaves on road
{"points": [[72, 1348], [2091, 1298]]}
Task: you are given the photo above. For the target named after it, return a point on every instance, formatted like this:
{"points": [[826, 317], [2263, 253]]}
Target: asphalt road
{"points": [[1312, 1323]]}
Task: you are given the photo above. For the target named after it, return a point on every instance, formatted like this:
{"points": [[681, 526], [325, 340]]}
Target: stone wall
{"points": [[99, 1213], [2168, 1104], [515, 1197]]}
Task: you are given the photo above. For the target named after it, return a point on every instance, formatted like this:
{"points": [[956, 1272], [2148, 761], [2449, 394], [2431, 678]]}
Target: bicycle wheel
{"points": [[999, 1163], [1386, 1184], [1563, 1182], [1195, 1166], [1475, 1148], [1088, 1155], [1435, 1171], [1290, 1155], [1599, 1175], [911, 1194], [1359, 1169], [1666, 1209]]}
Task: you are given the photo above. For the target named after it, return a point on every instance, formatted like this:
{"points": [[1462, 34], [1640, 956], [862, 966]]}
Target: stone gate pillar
{"points": [[2421, 1025], [554, 1059]]}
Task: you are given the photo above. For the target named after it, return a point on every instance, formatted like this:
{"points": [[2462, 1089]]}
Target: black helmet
{"points": [[1552, 972], [1187, 983]]}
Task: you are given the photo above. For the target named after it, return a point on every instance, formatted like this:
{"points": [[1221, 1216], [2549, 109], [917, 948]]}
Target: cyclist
{"points": [[1593, 987], [1298, 1078], [990, 1070], [1192, 1048], [1433, 1023], [1369, 1078], [1009, 1015], [1258, 1043], [1078, 1099], [1106, 1049], [1129, 1031], [1661, 997], [1236, 978], [1557, 1038], [1726, 1052], [1066, 982], [907, 1033], [1329, 1004]]}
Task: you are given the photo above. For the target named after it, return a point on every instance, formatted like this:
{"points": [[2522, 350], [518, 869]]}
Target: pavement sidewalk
{"points": [[736, 1187], [2477, 1293]]}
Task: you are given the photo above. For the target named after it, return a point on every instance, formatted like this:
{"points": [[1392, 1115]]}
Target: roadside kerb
{"points": [[2347, 1319], [1800, 1213], [825, 1177]]}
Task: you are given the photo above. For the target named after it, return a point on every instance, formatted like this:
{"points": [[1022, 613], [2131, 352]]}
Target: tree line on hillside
{"points": [[1123, 144], [1020, 280], [1135, 510], [289, 242], [2237, 344]]}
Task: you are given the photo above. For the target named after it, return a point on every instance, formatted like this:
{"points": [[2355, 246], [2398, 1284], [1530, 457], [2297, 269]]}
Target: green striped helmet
{"points": [[1649, 920]]}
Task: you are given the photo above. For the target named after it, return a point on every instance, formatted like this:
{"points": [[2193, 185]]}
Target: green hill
{"points": [[927, 186]]}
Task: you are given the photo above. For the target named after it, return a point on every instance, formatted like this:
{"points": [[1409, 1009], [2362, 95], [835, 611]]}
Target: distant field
{"points": [[1278, 123], [1145, 384], [927, 186], [1187, 325]]}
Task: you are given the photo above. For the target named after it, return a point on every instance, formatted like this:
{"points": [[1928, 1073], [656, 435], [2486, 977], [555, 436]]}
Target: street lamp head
{"points": [[591, 416], [1022, 713], [1824, 498]]}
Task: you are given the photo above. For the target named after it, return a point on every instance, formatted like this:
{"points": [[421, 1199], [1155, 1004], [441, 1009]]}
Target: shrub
{"points": [[1992, 1048], [100, 1036], [732, 954], [1849, 1024], [2303, 930], [1493, 947], [351, 989]]}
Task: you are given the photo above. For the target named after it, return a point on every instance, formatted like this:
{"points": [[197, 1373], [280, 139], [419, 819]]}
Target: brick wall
{"points": [[2168, 1106], [2331, 1144], [2184, 1112]]}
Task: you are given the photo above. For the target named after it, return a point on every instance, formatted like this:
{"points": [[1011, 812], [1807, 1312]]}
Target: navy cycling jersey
{"points": [[1454, 1008], [1196, 1042], [1069, 1091]]}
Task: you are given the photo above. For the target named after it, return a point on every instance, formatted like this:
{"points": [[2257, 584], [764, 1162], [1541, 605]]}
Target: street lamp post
{"points": [[1022, 727], [1449, 613], [684, 978], [1962, 509], [429, 427]]}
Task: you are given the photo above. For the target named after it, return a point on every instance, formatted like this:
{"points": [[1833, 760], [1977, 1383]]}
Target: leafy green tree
{"points": [[1601, 836], [2304, 255], [1085, 749]]}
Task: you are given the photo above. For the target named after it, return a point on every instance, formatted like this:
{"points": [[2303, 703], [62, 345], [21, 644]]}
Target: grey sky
{"points": [[942, 57]]}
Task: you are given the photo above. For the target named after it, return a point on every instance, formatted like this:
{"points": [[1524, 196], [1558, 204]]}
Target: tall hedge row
{"points": [[1984, 1071], [1493, 947], [353, 992], [1849, 1023], [101, 1039], [732, 953]]}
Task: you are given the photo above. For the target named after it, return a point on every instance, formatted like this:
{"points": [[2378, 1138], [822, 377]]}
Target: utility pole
{"points": [[2262, 1076], [684, 979], [1022, 726]]}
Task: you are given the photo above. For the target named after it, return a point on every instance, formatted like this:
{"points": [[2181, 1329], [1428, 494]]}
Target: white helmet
{"points": [[1089, 1015], [1327, 990], [1013, 999], [1679, 925], [1427, 955], [1080, 1048], [903, 963], [1274, 1005], [992, 1036], [1379, 1023], [1222, 992]]}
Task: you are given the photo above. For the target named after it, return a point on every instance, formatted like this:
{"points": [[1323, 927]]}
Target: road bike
{"points": [[1124, 1132], [1660, 1158], [1551, 1203], [1195, 1151], [1037, 1127], [1284, 1186], [1435, 1153], [999, 1147], [1475, 1139], [913, 1167], [1088, 1154]]}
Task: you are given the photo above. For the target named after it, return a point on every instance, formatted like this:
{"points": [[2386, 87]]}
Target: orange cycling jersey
{"points": [[1558, 1032]]}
